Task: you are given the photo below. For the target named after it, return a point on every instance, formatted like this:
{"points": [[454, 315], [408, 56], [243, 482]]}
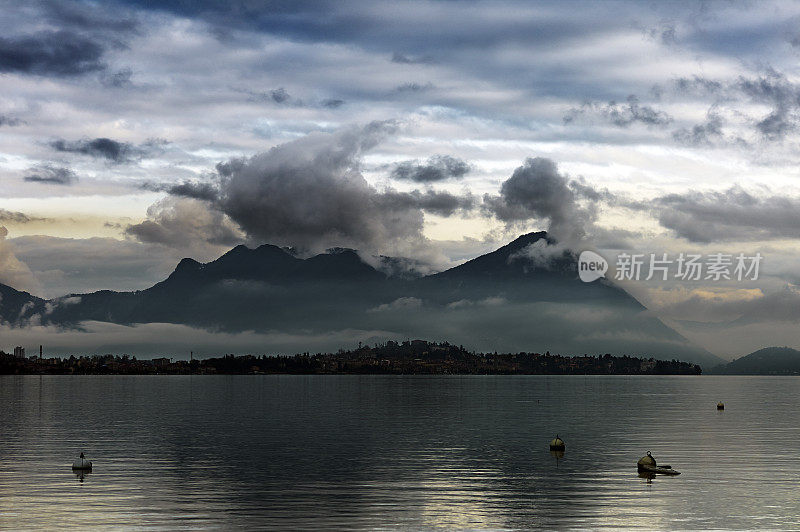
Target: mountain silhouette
{"points": [[766, 361], [513, 299]]}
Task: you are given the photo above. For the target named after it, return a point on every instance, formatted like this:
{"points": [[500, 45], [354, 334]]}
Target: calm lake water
{"points": [[385, 452]]}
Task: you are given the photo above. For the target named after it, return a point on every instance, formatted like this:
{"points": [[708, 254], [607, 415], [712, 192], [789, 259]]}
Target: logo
{"points": [[591, 266]]}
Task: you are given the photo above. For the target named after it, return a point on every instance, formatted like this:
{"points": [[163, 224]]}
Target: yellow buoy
{"points": [[557, 444], [646, 461], [720, 406]]}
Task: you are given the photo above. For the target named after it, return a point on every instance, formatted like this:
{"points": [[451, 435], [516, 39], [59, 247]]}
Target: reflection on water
{"points": [[558, 455], [295, 452], [647, 476], [81, 474]]}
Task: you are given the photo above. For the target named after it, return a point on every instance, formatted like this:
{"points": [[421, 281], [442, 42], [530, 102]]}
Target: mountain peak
{"points": [[342, 263], [527, 239], [504, 261], [187, 263]]}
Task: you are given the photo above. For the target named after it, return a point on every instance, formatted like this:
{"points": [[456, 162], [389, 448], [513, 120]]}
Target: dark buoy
{"points": [[646, 461], [82, 464], [647, 464], [557, 444], [720, 406]]}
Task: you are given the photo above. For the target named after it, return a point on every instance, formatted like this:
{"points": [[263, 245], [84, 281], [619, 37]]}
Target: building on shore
{"points": [[19, 352]]}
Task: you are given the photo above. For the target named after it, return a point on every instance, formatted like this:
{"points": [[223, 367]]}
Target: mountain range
{"points": [[500, 301]]}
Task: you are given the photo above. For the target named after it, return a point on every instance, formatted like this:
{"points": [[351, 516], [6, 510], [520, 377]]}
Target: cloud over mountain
{"points": [[308, 193], [536, 190]]}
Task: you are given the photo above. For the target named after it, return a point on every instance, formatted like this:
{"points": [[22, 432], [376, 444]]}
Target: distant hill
{"points": [[502, 301], [767, 361]]}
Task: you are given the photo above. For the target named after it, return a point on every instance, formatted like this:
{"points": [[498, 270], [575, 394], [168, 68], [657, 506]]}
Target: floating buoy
{"points": [[720, 406], [82, 464], [646, 461], [557, 444], [647, 464]]}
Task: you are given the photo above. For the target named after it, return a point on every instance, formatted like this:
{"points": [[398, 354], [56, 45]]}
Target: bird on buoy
{"points": [[557, 444], [82, 464], [720, 406]]}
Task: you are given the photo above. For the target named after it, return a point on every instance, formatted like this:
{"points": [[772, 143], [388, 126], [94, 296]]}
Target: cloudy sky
{"points": [[133, 134]]}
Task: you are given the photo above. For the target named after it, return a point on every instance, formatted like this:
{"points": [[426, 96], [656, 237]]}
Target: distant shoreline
{"points": [[415, 357]]}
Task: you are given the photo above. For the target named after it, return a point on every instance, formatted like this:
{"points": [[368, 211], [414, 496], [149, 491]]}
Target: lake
{"points": [[394, 452]]}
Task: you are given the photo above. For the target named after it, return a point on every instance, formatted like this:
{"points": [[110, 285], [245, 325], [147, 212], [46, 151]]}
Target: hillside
{"points": [[767, 361]]}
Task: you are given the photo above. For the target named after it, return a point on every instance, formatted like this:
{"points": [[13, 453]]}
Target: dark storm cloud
{"points": [[56, 175], [100, 147], [308, 190], [6, 120], [188, 189], [227, 168], [201, 191], [57, 53], [308, 193], [537, 190], [436, 168], [436, 202], [105, 148], [620, 114], [77, 36], [733, 214]]}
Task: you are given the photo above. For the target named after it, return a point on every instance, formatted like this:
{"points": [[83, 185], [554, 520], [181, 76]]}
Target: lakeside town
{"points": [[411, 357]]}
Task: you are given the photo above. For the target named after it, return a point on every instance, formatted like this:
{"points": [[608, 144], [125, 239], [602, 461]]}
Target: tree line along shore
{"points": [[412, 357]]}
